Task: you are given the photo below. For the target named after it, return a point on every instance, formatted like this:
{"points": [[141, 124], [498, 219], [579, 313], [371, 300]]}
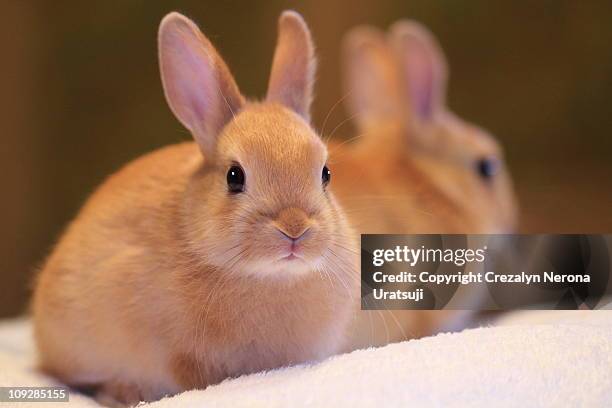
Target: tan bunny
{"points": [[414, 166], [205, 260]]}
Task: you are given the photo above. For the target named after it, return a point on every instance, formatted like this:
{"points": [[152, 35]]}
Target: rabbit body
{"points": [[414, 167], [177, 273]]}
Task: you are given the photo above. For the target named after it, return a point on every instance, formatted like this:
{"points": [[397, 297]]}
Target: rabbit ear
{"points": [[423, 67], [372, 78], [198, 85], [293, 66]]}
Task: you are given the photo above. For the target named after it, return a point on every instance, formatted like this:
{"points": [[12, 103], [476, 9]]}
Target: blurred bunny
{"points": [[414, 166]]}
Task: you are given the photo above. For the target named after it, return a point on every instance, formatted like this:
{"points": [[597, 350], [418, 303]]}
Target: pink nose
{"points": [[293, 223], [294, 236]]}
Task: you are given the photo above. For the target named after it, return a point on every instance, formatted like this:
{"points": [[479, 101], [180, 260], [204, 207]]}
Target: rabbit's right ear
{"points": [[373, 85], [423, 66], [198, 86]]}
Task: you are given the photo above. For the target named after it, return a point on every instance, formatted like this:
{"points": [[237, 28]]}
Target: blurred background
{"points": [[81, 96]]}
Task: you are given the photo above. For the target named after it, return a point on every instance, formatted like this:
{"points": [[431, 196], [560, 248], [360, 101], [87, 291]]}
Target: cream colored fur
{"points": [[165, 281], [411, 168]]}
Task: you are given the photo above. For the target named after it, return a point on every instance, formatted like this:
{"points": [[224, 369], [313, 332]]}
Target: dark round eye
{"points": [[235, 179], [325, 176], [487, 167]]}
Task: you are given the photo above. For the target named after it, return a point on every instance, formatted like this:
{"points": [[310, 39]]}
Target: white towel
{"points": [[554, 359]]}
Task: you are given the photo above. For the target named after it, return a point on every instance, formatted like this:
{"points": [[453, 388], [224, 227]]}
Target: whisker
{"points": [[331, 110], [339, 125]]}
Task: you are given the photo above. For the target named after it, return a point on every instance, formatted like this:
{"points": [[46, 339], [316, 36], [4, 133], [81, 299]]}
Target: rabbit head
{"points": [[422, 156], [259, 202]]}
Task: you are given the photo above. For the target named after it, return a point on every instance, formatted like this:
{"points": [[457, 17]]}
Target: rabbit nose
{"points": [[291, 237], [293, 223]]}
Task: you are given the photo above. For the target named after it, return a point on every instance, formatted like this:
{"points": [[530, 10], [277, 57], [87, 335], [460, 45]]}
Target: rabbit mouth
{"points": [[295, 259], [292, 257]]}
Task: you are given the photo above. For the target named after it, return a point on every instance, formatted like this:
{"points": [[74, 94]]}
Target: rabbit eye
{"points": [[325, 176], [487, 168], [235, 179]]}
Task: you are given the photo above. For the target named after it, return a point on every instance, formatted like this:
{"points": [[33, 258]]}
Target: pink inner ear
{"points": [[198, 85], [189, 81], [373, 84], [293, 66], [420, 77]]}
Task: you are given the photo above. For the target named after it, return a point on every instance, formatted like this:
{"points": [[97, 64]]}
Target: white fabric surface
{"points": [[536, 359]]}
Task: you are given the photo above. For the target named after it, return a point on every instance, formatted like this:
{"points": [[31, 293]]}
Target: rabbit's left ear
{"points": [[423, 66], [294, 65]]}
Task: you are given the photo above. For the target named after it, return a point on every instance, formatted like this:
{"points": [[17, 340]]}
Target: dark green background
{"points": [[80, 95]]}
